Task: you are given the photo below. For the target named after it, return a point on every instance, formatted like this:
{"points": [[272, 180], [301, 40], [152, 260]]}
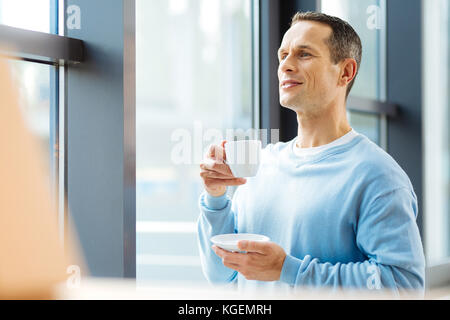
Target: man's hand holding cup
{"points": [[216, 173]]}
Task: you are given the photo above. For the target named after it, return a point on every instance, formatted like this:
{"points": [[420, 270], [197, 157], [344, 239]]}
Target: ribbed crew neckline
{"points": [[346, 138], [334, 149]]}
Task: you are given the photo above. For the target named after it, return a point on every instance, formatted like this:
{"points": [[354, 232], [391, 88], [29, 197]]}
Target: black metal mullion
{"points": [[40, 46], [372, 106], [404, 86]]}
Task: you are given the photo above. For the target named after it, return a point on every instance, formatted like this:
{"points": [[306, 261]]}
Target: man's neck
{"points": [[321, 129]]}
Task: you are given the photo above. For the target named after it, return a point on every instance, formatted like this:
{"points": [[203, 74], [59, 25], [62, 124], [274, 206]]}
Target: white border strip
{"points": [[435, 104], [165, 227], [167, 260]]}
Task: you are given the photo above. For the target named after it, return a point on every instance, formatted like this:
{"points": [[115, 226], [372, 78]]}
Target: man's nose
{"points": [[287, 65]]}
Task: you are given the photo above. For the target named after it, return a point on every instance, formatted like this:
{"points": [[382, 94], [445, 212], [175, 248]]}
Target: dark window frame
{"points": [[58, 52]]}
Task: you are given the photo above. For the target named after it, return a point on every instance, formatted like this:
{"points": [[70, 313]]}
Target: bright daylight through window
{"points": [[26, 14], [194, 72]]}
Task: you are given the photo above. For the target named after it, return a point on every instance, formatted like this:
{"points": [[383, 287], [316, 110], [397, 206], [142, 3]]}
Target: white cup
{"points": [[243, 157]]}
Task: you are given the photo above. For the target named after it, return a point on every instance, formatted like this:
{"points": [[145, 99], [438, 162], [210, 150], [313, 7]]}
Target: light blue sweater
{"points": [[346, 218]]}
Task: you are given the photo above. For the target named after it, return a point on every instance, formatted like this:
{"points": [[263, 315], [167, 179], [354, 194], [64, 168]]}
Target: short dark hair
{"points": [[343, 43]]}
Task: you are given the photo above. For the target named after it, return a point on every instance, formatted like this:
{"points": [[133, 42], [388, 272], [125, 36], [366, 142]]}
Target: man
{"points": [[340, 212]]}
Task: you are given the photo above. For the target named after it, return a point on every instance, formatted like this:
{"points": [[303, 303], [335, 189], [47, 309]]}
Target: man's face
{"points": [[308, 78]]}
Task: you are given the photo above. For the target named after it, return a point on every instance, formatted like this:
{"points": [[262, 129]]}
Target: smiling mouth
{"points": [[290, 85]]}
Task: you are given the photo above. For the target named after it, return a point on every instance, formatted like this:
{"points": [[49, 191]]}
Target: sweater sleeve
{"points": [[216, 217], [387, 234]]}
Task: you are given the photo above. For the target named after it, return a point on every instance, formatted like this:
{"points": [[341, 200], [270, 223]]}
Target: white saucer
{"points": [[229, 241]]}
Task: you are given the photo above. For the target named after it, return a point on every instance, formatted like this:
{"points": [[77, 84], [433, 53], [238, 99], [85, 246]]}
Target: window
{"points": [[37, 81], [367, 124], [367, 17], [33, 15], [194, 73], [436, 123], [33, 83]]}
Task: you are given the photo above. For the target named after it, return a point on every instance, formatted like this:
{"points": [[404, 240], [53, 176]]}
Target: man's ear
{"points": [[349, 68]]}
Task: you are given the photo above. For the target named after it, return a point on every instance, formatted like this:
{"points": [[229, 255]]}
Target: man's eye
{"points": [[305, 54]]}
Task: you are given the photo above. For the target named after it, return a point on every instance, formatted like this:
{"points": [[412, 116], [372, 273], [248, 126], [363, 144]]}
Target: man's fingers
{"points": [[217, 152], [254, 246], [204, 168], [217, 166], [233, 266], [230, 258], [211, 182], [214, 175]]}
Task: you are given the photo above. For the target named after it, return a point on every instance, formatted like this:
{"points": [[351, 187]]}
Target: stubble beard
{"points": [[303, 108]]}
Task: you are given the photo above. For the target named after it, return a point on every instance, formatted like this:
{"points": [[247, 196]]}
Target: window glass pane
{"points": [[194, 70], [26, 14], [33, 82], [367, 18], [436, 115], [367, 124]]}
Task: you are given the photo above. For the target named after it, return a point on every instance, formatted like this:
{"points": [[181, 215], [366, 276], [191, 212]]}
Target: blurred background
{"points": [[154, 73]]}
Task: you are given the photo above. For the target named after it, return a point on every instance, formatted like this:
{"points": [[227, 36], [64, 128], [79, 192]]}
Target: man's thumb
{"points": [[243, 245], [224, 156]]}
